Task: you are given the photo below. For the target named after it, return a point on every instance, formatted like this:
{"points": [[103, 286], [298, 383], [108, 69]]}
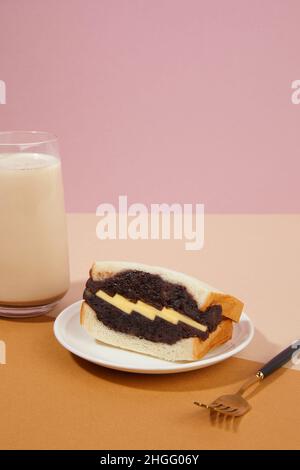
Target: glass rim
{"points": [[37, 138]]}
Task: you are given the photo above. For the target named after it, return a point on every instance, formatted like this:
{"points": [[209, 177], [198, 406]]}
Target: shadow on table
{"points": [[207, 383], [212, 377], [233, 372]]}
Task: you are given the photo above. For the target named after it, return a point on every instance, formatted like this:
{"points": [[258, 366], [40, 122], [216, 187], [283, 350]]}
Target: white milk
{"points": [[33, 241]]}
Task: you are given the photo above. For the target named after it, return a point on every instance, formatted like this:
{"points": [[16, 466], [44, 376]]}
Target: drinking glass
{"points": [[34, 266]]}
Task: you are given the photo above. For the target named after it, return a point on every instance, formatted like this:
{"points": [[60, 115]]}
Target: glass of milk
{"points": [[34, 266]]}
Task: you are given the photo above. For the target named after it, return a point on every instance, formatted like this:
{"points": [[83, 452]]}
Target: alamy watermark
{"points": [[2, 352], [2, 92], [162, 222], [295, 97], [296, 355]]}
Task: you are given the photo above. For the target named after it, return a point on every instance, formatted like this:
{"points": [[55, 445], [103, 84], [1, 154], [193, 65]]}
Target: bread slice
{"points": [[189, 349], [204, 294]]}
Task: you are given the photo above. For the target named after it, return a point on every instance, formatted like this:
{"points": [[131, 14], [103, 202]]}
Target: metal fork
{"points": [[235, 405]]}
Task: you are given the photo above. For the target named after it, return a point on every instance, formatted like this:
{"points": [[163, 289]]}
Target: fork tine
{"points": [[202, 405], [226, 411], [238, 413], [221, 407], [232, 412]]}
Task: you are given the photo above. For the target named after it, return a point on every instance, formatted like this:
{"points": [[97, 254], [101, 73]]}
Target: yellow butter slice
{"points": [[148, 311]]}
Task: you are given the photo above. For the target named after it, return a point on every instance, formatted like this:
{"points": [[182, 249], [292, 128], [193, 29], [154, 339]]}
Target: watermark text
{"points": [[162, 222], [2, 352], [296, 355], [295, 97], [2, 92]]}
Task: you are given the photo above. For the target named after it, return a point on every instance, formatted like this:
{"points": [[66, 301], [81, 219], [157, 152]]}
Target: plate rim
{"points": [[174, 367]]}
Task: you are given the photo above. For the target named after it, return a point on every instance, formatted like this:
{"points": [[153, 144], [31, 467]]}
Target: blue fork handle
{"points": [[282, 358]]}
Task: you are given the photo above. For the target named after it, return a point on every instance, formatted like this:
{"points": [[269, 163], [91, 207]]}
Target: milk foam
{"points": [[26, 161]]}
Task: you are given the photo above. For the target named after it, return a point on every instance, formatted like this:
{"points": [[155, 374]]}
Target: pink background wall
{"points": [[163, 100]]}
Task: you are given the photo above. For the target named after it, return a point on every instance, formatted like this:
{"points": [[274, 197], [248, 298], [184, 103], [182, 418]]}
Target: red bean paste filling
{"points": [[153, 290]]}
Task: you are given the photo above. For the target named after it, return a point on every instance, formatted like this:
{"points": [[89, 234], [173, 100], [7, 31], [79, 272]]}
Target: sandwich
{"points": [[156, 311]]}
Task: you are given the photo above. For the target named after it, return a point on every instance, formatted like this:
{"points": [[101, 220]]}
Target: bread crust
{"points": [[204, 294], [188, 349], [221, 335]]}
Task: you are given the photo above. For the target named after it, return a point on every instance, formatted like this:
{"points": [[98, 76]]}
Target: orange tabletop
{"points": [[51, 399]]}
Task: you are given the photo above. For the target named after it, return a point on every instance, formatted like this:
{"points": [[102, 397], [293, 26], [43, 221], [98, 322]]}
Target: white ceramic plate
{"points": [[73, 337]]}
